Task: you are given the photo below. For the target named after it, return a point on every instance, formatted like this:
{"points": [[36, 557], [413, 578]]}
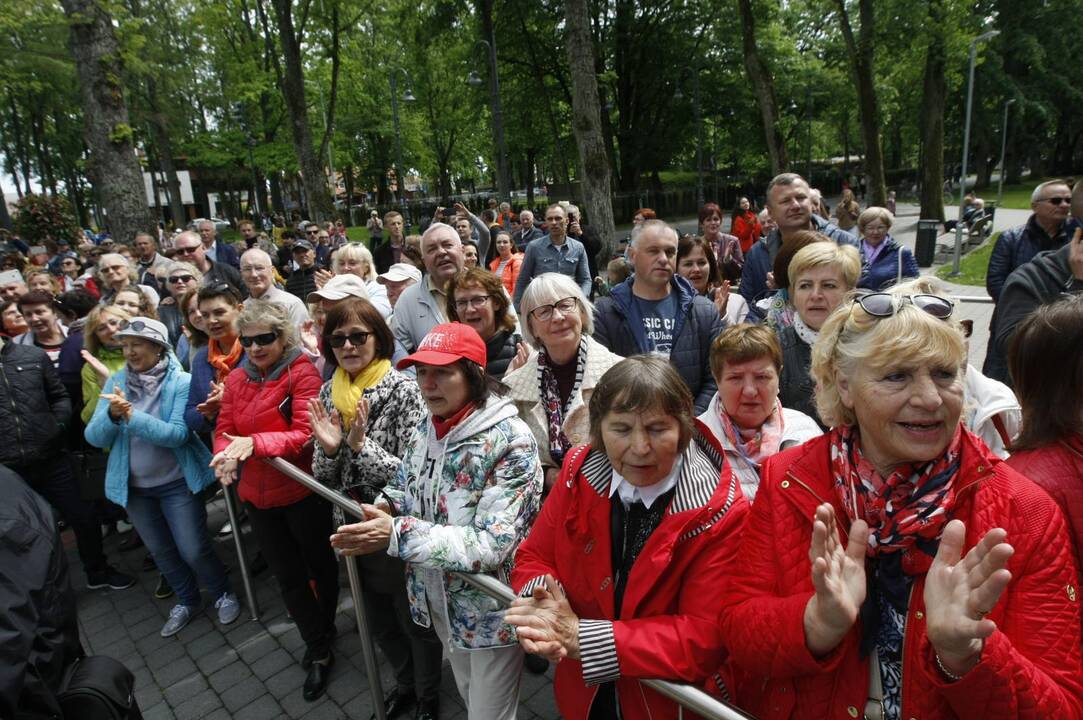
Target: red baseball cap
{"points": [[446, 344]]}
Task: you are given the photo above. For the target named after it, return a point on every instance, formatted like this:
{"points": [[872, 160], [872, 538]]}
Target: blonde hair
{"points": [[851, 340], [95, 318], [358, 253], [273, 315], [845, 257]]}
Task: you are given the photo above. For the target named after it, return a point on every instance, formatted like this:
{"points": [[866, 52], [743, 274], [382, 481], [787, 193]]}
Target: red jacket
{"points": [[747, 229], [1030, 667], [1058, 469], [669, 617], [254, 408]]}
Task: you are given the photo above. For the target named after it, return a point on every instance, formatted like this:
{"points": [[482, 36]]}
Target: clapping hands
{"points": [[119, 406], [545, 622]]}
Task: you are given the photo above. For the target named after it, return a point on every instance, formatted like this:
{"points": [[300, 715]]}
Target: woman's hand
{"points": [[239, 448], [960, 593], [209, 408], [838, 575], [310, 340], [356, 437], [225, 469], [522, 352], [99, 368], [321, 277], [545, 622], [364, 538], [119, 407], [326, 427], [722, 297]]}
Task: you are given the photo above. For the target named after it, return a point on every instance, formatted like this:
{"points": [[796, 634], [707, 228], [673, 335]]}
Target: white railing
{"points": [[687, 696]]}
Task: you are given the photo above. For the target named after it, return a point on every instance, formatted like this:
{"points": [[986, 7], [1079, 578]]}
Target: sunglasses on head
{"points": [[137, 325], [263, 339], [356, 339], [883, 305]]}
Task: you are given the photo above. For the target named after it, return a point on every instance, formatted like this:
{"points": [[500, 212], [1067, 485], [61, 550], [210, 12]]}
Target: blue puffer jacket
{"points": [[761, 257], [618, 326], [885, 268], [169, 430]]}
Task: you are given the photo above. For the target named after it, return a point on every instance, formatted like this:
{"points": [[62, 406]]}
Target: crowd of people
{"points": [[754, 461]]}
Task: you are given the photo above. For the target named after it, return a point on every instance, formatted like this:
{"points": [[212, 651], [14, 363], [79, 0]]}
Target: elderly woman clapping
{"points": [[620, 576], [553, 387], [745, 414], [894, 565]]}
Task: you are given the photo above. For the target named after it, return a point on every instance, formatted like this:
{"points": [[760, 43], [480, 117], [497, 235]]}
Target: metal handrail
{"points": [[687, 696]]}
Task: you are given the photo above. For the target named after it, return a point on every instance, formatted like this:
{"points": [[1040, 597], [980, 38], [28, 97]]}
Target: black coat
{"points": [[499, 352], [302, 282], [34, 406], [796, 388], [41, 637]]}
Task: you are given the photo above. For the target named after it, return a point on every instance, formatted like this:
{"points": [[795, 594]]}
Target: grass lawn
{"points": [[1015, 196], [973, 265]]}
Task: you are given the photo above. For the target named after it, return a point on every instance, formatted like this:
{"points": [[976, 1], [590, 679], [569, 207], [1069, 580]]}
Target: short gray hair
{"points": [[1035, 196], [185, 266], [784, 179], [874, 213], [273, 315], [547, 289], [354, 251], [258, 252], [653, 225]]}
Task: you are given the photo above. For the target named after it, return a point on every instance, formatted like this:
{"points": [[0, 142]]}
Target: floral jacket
{"points": [[464, 503]]}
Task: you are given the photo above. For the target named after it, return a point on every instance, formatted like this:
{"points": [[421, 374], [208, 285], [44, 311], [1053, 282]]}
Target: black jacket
{"points": [[1016, 247], [40, 634], [1039, 282], [796, 388], [222, 273], [301, 282], [34, 406], [383, 256], [500, 351]]}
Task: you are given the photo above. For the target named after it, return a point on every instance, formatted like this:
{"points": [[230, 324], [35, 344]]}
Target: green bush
{"points": [[43, 218]]}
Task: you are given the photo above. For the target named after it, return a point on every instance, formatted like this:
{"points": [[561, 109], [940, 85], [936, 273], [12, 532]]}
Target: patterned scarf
{"points": [[906, 513], [145, 384], [346, 393], [554, 407], [223, 362], [755, 444]]}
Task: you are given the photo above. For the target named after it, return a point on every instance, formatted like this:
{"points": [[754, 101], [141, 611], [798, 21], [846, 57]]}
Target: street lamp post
{"points": [[966, 146], [400, 178], [503, 171], [1003, 148]]}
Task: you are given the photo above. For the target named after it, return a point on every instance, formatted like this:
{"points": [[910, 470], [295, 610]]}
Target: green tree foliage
{"points": [[40, 219]]}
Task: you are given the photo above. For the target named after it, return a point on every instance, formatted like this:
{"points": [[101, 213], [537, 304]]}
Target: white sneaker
{"points": [[123, 526], [229, 609], [179, 616]]}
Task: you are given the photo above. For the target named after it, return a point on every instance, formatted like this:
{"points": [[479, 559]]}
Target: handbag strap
{"points": [[874, 706]]}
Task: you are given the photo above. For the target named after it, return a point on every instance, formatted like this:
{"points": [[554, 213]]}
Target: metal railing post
{"points": [[686, 696], [228, 492]]}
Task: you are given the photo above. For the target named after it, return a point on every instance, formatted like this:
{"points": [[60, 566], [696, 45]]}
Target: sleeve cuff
{"points": [[393, 541], [598, 652], [528, 589]]}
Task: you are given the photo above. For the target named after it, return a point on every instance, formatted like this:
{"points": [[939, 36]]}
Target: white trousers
{"points": [[488, 680]]}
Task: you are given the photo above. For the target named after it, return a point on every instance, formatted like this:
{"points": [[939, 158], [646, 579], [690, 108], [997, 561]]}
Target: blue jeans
{"points": [[173, 524]]}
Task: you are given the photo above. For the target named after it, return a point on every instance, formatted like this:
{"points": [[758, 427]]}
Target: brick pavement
{"points": [[247, 670]]}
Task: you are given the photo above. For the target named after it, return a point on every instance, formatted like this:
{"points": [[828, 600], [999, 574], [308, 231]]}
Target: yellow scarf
{"points": [[346, 393]]}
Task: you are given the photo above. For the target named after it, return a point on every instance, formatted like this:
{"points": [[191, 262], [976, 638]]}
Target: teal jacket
{"points": [[168, 431]]}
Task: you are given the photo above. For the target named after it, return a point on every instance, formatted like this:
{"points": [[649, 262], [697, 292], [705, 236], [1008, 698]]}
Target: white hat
{"points": [[399, 272], [340, 287]]}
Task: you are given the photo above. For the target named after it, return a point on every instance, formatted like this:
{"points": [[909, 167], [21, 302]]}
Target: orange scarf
{"points": [[222, 362]]}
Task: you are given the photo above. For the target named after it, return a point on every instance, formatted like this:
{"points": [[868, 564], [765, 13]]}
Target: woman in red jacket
{"points": [[910, 601], [1047, 369], [745, 225], [264, 414], [619, 576]]}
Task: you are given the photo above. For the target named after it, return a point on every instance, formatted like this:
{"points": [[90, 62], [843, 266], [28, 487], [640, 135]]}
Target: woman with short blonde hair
{"points": [[355, 259]]}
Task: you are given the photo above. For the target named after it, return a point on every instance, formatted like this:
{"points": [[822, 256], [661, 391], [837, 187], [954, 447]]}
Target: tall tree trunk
{"points": [[933, 99], [293, 92], [5, 218], [113, 168], [594, 178], [860, 51], [763, 87], [157, 121]]}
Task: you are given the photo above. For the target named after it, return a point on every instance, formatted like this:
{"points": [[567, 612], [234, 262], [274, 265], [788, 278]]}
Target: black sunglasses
{"points": [[263, 339], [186, 250], [181, 279], [883, 305], [356, 339], [1058, 200]]}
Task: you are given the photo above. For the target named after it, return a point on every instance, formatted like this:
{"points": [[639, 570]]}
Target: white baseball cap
{"points": [[399, 272], [340, 287]]}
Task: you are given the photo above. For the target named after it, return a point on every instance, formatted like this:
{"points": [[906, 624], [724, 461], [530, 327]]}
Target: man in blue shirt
{"points": [[556, 252]]}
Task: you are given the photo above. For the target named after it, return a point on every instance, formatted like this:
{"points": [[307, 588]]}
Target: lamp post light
{"points": [[400, 178], [966, 146], [503, 172], [1003, 148]]}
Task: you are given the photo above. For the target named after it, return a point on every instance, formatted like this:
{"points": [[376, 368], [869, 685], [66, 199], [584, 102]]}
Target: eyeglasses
{"points": [[545, 312], [883, 305], [356, 339], [186, 250], [178, 279], [472, 302], [1057, 200], [263, 339]]}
